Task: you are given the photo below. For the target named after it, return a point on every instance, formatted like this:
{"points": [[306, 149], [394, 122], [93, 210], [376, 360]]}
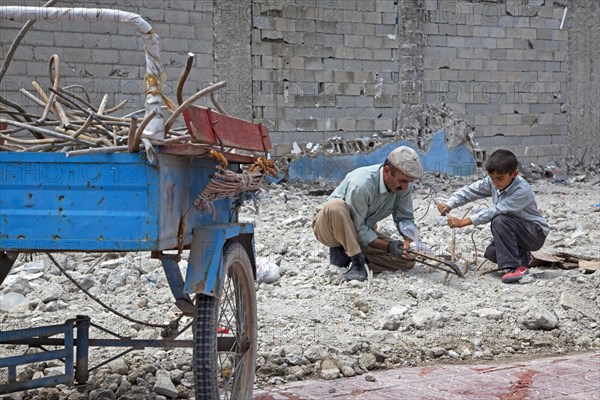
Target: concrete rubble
{"points": [[311, 324]]}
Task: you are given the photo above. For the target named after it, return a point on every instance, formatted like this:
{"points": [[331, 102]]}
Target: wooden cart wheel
{"points": [[225, 332]]}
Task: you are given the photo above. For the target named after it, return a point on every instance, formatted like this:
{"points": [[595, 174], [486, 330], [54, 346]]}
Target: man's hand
{"points": [[443, 208], [458, 223], [396, 248]]}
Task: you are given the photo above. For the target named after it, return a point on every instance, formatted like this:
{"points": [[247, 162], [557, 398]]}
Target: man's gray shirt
{"points": [[370, 202], [516, 199]]}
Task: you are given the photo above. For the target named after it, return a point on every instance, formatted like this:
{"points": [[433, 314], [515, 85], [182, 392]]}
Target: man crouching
{"points": [[367, 195]]}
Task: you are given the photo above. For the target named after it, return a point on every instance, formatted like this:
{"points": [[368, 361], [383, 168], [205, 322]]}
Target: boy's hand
{"points": [[443, 208], [458, 223]]}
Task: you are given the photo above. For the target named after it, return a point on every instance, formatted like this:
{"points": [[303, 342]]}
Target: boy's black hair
{"points": [[502, 162]]}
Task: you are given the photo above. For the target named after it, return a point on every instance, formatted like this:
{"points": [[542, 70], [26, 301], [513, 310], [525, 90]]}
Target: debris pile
{"points": [[311, 324]]}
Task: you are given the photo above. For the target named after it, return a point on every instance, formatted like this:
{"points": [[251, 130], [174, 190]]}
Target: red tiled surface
{"points": [[575, 377]]}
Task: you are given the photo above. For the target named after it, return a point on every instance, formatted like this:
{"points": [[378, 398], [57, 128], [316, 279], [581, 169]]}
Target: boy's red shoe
{"points": [[515, 275]]}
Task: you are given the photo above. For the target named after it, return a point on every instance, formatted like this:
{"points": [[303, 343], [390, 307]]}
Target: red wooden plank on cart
{"points": [[207, 126], [191, 149]]}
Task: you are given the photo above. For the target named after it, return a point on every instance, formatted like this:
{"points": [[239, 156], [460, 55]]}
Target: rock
{"points": [[118, 278], [348, 371], [138, 392], [114, 263], [328, 363], [538, 317], [164, 385], [367, 361], [434, 293], [330, 374], [20, 285], [315, 353], [49, 292], [571, 301], [119, 366], [12, 302], [56, 306], [176, 375], [427, 318], [489, 313], [452, 354], [369, 377], [113, 382], [392, 320], [362, 305], [102, 394]]}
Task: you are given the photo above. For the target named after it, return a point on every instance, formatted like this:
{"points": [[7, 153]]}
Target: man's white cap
{"points": [[407, 161]]}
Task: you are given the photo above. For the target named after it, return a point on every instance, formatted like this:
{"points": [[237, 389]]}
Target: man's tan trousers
{"points": [[333, 227]]}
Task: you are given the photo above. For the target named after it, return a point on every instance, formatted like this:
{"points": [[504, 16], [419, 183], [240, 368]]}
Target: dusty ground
{"points": [[313, 325]]}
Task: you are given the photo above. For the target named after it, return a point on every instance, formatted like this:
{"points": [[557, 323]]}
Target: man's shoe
{"points": [[357, 271], [338, 257], [515, 276]]}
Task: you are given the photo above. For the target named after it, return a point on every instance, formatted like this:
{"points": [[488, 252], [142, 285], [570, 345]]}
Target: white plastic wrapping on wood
{"points": [[155, 75]]}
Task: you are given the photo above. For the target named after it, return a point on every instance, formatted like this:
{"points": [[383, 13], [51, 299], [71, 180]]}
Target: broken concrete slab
{"points": [[457, 161]]}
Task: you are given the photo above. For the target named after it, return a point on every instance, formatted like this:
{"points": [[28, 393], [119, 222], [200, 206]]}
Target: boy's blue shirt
{"points": [[516, 199]]}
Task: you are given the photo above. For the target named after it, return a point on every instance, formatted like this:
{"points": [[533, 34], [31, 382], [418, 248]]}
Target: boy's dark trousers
{"points": [[514, 238]]}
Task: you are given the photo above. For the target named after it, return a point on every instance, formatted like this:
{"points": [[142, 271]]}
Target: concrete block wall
{"points": [[108, 58], [315, 69], [583, 23], [501, 66], [325, 68]]}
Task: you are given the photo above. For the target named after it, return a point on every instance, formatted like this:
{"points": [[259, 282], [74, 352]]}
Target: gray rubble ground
{"points": [[311, 324]]}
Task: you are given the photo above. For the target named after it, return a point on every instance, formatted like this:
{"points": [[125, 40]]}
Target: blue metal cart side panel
{"points": [[87, 203], [182, 179]]}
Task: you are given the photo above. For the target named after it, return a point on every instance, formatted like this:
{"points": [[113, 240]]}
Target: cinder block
{"points": [[326, 26], [354, 41], [343, 76], [432, 74], [464, 30], [438, 40], [450, 30], [365, 30], [363, 54], [176, 16], [347, 28], [326, 124], [385, 6], [33, 68], [430, 28], [373, 42], [352, 16], [384, 101], [388, 18], [465, 52], [346, 124], [372, 18], [183, 31], [306, 124], [35, 37], [365, 125], [382, 54], [68, 39], [365, 5], [448, 75]]}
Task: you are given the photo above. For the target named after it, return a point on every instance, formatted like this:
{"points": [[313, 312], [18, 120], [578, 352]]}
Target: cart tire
{"points": [[231, 316]]}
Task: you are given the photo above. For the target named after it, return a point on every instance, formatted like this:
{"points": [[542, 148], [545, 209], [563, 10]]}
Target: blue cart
{"points": [[135, 201], [122, 202]]}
